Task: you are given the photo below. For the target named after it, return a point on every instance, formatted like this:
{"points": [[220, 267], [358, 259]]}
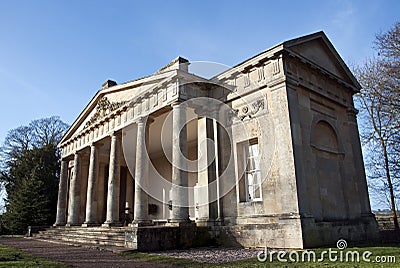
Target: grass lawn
{"points": [[12, 257], [389, 254]]}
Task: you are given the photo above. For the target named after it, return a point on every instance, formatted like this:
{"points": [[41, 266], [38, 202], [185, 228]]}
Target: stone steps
{"points": [[95, 236], [119, 235]]}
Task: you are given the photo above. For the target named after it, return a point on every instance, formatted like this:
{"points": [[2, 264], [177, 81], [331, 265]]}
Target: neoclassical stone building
{"points": [[265, 153]]}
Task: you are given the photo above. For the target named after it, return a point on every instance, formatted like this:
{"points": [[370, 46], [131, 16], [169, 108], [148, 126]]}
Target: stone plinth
{"points": [[151, 238]]}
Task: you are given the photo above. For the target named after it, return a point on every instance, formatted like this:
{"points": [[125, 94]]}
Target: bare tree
{"points": [[17, 140], [40, 132], [47, 131], [388, 46], [29, 173], [2, 195], [379, 101]]}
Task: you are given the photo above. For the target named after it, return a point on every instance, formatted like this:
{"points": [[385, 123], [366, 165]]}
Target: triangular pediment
{"points": [[317, 49], [102, 104], [110, 99]]}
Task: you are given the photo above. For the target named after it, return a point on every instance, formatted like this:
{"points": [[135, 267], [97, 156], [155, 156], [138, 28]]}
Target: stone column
{"points": [[359, 169], [209, 189], [217, 166], [130, 187], [74, 193], [180, 209], [112, 216], [62, 194], [91, 209], [141, 215]]}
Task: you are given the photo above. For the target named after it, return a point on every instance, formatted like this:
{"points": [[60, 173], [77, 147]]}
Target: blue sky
{"points": [[54, 55]]}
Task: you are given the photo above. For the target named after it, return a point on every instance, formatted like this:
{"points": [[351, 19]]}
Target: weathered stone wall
{"points": [[328, 233], [263, 111], [331, 185], [152, 238], [385, 222], [285, 232]]}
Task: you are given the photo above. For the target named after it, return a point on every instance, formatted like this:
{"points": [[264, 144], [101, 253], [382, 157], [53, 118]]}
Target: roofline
{"points": [[321, 34], [285, 45], [269, 53], [281, 45], [127, 85], [278, 48]]}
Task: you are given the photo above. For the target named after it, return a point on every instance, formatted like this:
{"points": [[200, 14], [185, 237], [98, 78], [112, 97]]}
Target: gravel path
{"points": [[91, 257], [211, 255], [75, 256]]}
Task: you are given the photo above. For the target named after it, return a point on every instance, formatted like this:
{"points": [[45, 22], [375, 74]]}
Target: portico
{"points": [[266, 152], [94, 166]]}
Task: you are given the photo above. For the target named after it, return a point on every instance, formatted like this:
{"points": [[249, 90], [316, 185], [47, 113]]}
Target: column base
{"points": [[112, 224], [88, 224], [58, 224], [141, 223], [180, 220], [72, 224], [208, 222], [180, 223]]}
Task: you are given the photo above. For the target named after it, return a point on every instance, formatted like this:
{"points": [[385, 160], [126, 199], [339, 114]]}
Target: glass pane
{"points": [[257, 163], [257, 191], [250, 179], [254, 149], [252, 164], [251, 192], [256, 178]]}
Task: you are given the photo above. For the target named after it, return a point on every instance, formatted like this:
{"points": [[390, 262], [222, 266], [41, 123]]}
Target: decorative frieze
{"points": [[111, 116], [250, 110], [317, 79], [276, 67], [103, 108]]}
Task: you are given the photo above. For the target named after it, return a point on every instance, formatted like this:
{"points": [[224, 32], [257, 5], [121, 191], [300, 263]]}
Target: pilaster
{"points": [[141, 215], [74, 194], [112, 216], [91, 188], [180, 209], [62, 194]]}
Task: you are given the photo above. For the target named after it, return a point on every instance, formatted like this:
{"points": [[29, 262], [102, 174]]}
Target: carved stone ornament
{"points": [[103, 108], [245, 111]]}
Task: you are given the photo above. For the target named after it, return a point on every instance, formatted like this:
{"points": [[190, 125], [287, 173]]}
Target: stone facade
{"points": [[266, 153]]}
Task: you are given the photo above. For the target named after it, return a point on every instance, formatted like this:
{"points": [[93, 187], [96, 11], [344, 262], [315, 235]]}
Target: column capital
{"points": [[209, 112], [140, 119], [97, 144], [150, 119], [145, 119], [115, 133], [178, 105]]}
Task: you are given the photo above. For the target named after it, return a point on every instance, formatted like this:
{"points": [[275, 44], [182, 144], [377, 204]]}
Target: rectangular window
{"points": [[252, 172]]}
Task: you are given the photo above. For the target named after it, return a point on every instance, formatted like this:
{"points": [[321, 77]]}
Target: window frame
{"points": [[256, 172]]}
